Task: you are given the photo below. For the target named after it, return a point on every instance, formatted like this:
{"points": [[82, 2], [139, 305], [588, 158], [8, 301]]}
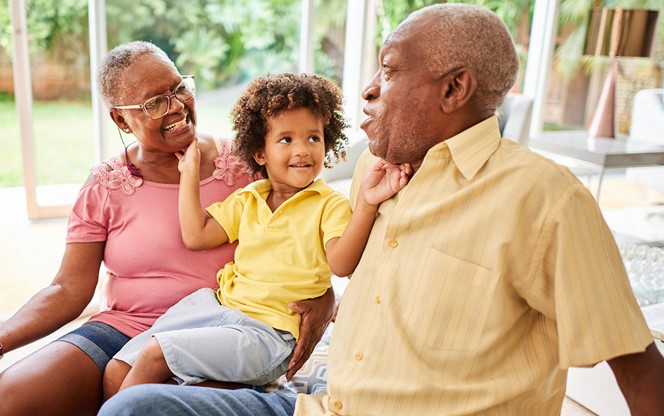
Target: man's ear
{"points": [[259, 157], [458, 88]]}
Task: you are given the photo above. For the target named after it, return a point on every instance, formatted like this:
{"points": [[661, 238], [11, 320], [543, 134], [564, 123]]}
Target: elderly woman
{"points": [[126, 215]]}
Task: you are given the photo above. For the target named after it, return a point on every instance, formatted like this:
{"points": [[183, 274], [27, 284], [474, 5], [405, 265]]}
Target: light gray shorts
{"points": [[204, 340]]}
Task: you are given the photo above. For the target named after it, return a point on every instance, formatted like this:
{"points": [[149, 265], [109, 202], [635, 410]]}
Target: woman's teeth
{"points": [[176, 125]]}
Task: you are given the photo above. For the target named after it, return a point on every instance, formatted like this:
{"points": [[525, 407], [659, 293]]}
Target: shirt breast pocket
{"points": [[450, 300]]}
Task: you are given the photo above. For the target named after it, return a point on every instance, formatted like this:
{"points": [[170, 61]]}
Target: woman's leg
{"points": [[58, 379], [162, 399]]}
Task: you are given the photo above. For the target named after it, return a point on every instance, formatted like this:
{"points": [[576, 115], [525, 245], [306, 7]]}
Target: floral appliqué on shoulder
{"points": [[228, 167], [116, 176]]}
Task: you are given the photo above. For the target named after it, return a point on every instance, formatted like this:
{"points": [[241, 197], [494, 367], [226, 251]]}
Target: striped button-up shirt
{"points": [[483, 280]]}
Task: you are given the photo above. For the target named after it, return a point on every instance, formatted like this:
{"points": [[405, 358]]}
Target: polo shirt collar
{"points": [[471, 148], [263, 186]]}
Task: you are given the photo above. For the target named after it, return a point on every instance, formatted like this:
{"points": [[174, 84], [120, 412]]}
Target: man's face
{"points": [[402, 100]]}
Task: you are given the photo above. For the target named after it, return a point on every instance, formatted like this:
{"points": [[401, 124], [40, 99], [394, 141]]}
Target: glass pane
{"points": [[11, 170], [62, 111], [228, 43], [576, 80], [62, 141]]}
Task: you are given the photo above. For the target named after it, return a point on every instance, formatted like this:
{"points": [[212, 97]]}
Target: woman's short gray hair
{"points": [[475, 38], [115, 64]]}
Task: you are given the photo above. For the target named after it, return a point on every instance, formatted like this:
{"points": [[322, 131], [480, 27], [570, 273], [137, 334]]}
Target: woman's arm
{"points": [[62, 301], [199, 232]]}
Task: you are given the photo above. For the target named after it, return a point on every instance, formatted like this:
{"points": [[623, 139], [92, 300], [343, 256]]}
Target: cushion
{"points": [[312, 377]]}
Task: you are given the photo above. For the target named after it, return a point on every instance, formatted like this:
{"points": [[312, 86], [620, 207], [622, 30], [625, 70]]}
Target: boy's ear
{"points": [[259, 157]]}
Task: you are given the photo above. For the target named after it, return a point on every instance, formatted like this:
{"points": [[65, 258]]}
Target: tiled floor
{"points": [[30, 252]]}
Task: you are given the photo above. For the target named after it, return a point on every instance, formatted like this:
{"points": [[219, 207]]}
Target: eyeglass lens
{"points": [[157, 107]]}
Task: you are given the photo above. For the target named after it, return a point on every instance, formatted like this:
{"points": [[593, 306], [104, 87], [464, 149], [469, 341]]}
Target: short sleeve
{"points": [[581, 283], [88, 221], [335, 217], [228, 213]]}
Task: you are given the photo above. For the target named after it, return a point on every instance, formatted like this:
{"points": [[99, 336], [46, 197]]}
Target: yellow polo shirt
{"points": [[483, 280], [280, 255]]}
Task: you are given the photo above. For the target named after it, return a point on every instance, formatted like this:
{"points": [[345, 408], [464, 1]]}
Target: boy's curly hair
{"points": [[271, 94]]}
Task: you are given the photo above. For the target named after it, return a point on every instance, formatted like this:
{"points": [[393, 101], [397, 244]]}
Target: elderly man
{"points": [[485, 278]]}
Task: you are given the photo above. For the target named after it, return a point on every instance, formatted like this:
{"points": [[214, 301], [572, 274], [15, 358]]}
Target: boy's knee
{"points": [[152, 348]]}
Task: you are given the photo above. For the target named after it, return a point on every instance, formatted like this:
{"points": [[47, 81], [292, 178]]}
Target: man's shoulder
{"points": [[529, 162]]}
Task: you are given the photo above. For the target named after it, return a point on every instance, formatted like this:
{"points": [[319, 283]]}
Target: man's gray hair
{"points": [[475, 38]]}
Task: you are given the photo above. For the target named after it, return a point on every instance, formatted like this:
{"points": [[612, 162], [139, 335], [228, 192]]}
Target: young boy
{"points": [[293, 233]]}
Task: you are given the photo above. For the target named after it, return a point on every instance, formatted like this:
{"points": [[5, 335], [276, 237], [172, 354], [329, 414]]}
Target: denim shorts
{"points": [[100, 341]]}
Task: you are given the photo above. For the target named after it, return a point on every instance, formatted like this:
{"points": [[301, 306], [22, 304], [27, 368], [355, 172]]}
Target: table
{"points": [[602, 152]]}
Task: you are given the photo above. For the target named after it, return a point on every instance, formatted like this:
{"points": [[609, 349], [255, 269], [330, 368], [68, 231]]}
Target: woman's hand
{"points": [[316, 315]]}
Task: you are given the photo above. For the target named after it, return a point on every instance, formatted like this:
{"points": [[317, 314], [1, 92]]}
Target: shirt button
{"points": [[359, 356], [338, 405], [378, 300], [394, 243]]}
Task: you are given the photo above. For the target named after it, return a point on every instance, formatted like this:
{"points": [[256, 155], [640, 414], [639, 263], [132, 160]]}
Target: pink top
{"points": [[149, 268]]}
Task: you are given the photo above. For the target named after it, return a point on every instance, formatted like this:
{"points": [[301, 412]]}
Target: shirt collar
{"points": [[263, 186], [471, 148]]}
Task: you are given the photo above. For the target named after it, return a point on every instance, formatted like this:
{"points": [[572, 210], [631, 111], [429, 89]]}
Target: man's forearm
{"points": [[640, 377]]}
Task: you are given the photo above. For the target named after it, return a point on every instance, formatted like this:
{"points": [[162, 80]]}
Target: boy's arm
{"points": [[382, 182], [199, 232]]}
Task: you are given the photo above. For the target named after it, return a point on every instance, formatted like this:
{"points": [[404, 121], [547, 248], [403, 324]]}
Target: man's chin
{"points": [[374, 149]]}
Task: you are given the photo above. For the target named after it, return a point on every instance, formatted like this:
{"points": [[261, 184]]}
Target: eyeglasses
{"points": [[157, 107]]}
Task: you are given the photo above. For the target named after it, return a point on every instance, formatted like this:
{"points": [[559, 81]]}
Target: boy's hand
{"points": [[384, 180], [189, 158]]}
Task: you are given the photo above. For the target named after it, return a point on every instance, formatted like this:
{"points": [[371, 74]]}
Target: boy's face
{"points": [[294, 152]]}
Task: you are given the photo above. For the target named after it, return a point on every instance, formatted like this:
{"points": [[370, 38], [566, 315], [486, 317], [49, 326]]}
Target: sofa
{"points": [[340, 175]]}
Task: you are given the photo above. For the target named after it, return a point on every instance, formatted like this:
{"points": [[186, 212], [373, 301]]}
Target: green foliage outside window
{"points": [[217, 40]]}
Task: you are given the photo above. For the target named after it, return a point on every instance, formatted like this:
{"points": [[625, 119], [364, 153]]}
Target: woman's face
{"points": [[150, 76]]}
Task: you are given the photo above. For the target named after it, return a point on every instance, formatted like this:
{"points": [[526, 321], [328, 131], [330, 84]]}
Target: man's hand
{"points": [[316, 315]]}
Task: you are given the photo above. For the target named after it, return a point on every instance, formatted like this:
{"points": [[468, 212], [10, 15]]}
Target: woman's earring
{"points": [[126, 130]]}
